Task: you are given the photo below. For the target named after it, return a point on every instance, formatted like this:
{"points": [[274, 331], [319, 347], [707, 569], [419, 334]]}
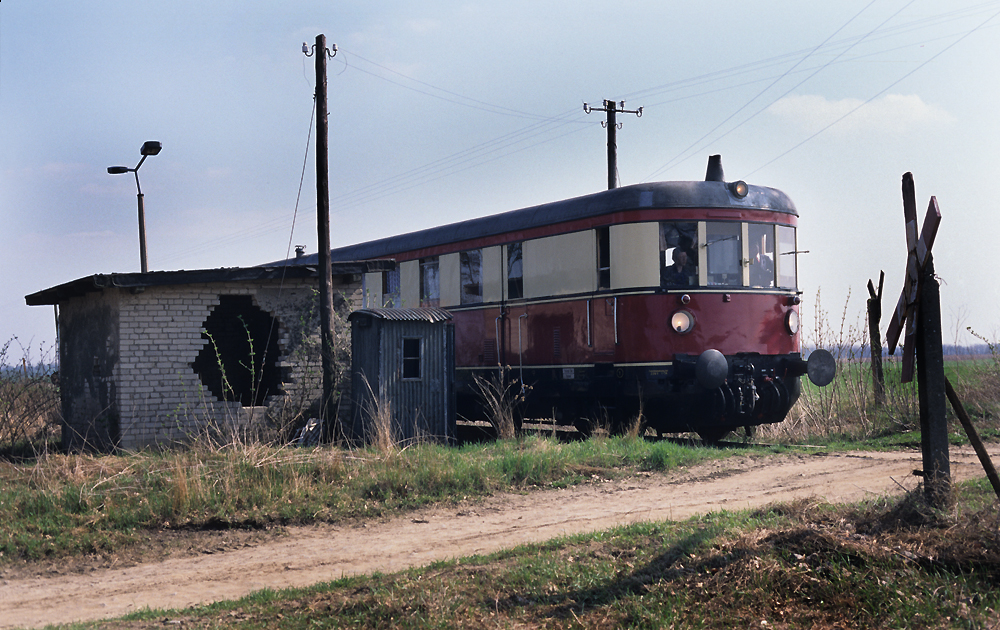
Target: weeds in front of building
{"points": [[30, 412]]}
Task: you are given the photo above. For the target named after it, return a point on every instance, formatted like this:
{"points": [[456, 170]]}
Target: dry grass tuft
{"points": [[500, 398]]}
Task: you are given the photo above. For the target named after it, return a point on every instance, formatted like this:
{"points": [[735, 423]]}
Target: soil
{"points": [[179, 569]]}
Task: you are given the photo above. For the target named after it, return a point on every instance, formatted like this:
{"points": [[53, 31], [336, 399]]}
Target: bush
{"points": [[30, 418]]}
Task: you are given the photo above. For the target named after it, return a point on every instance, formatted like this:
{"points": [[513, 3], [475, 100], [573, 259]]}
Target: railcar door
{"points": [[603, 316]]}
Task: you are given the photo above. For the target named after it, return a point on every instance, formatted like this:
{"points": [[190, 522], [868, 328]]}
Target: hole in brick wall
{"points": [[240, 360]]}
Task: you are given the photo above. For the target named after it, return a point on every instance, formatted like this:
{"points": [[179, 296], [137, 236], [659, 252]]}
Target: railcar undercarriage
{"points": [[684, 396]]}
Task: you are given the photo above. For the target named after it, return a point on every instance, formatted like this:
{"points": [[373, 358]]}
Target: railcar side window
{"points": [[430, 282], [390, 289], [786, 257], [471, 263], [724, 246], [603, 258], [678, 253], [515, 271], [761, 236]]}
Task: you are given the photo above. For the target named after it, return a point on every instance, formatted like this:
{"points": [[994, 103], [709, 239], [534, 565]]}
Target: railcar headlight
{"points": [[682, 322], [792, 322], [739, 189]]}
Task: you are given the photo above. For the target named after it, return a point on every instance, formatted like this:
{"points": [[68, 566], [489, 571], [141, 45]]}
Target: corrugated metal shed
{"points": [[403, 374]]}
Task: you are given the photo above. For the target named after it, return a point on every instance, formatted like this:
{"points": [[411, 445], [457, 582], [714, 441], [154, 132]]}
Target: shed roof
{"points": [[430, 314], [139, 281]]}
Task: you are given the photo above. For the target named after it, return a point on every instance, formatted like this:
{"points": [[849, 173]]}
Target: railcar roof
{"points": [[693, 194]]}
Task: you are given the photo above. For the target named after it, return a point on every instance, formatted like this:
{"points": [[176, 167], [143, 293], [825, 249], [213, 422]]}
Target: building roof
{"points": [[431, 315], [139, 281]]}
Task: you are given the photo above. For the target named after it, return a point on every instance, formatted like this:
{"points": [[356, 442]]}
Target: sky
{"points": [[443, 110]]}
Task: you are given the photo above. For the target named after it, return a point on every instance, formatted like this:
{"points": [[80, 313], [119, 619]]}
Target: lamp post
{"points": [[149, 148]]}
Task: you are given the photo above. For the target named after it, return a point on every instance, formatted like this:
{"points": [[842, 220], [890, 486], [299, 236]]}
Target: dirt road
{"points": [[307, 555]]}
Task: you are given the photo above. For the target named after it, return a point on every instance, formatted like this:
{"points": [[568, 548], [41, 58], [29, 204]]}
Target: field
{"points": [[884, 562]]}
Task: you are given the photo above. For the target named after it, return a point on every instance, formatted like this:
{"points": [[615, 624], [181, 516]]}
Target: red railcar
{"points": [[679, 298]]}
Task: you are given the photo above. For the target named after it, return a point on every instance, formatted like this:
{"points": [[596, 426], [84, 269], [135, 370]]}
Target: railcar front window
{"points": [[724, 246], [430, 284], [472, 276], [678, 253], [761, 236], [786, 257]]}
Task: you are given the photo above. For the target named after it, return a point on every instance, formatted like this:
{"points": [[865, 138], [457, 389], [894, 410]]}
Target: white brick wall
{"points": [[161, 399]]}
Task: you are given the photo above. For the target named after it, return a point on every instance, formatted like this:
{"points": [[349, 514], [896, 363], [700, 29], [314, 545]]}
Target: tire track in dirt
{"points": [[308, 555]]}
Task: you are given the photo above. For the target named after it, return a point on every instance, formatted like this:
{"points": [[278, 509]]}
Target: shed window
{"points": [[472, 276], [430, 282], [411, 357]]}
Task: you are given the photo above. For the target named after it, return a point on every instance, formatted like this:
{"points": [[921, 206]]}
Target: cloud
{"points": [[893, 113]]}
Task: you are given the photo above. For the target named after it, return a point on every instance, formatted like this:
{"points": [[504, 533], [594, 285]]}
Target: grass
{"points": [[880, 564], [846, 412], [77, 504]]}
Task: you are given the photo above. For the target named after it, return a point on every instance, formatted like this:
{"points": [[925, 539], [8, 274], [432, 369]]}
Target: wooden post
{"points": [[977, 444], [609, 106], [931, 386], [874, 317], [330, 431]]}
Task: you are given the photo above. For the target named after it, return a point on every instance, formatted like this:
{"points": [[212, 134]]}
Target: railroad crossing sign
{"points": [[919, 249]]}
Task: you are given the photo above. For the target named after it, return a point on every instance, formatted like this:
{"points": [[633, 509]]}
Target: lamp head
{"points": [[152, 147], [118, 170]]}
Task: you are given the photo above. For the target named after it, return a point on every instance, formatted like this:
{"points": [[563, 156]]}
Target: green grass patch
{"points": [[78, 504], [881, 564]]}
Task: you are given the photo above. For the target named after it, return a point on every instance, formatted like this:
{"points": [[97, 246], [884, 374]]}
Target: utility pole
{"points": [[325, 270], [612, 125]]}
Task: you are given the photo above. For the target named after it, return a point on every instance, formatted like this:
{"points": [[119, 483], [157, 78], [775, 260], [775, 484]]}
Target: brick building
{"points": [[155, 358]]}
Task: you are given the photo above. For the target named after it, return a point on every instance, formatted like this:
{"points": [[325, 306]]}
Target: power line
{"points": [[879, 93]]}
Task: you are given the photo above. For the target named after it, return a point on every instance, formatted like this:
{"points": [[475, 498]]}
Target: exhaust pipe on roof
{"points": [[714, 173]]}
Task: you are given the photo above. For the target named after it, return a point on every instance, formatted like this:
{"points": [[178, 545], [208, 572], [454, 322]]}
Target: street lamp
{"points": [[149, 148]]}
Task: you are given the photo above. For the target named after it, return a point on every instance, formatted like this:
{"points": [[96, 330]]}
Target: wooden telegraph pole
{"points": [[330, 430], [612, 126]]}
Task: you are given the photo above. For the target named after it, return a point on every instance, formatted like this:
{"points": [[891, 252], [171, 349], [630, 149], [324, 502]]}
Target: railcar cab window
{"points": [[786, 257], [471, 263], [430, 282], [724, 247], [678, 253], [761, 251], [515, 271]]}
